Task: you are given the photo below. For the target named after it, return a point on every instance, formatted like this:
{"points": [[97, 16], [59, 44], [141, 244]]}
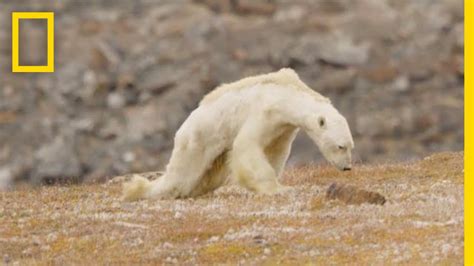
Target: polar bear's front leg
{"points": [[249, 163], [279, 149], [253, 171]]}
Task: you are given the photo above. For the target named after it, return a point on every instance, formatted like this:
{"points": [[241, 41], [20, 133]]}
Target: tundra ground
{"points": [[421, 222]]}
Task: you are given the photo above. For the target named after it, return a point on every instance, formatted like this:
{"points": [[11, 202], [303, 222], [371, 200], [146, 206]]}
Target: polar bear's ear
{"points": [[322, 122]]}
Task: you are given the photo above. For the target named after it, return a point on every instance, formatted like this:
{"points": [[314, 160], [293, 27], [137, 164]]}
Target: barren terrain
{"points": [[420, 223]]}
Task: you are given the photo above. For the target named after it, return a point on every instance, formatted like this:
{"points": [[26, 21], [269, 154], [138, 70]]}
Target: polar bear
{"points": [[244, 130]]}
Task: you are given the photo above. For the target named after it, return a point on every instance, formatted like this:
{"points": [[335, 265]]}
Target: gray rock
{"points": [[6, 178], [337, 81], [338, 49], [402, 83], [57, 160], [116, 100]]}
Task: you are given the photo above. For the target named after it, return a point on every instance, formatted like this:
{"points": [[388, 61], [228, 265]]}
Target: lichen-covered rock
{"points": [[353, 195]]}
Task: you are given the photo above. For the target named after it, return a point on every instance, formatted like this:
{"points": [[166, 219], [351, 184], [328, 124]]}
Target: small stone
{"points": [[167, 245], [6, 177], [214, 239], [178, 215], [258, 239], [129, 157], [6, 259], [446, 248], [267, 251], [51, 237], [171, 260], [27, 252], [36, 241], [401, 83], [84, 125], [115, 100]]}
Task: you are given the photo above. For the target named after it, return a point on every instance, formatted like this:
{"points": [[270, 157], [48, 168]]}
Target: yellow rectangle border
{"points": [[468, 133], [16, 16]]}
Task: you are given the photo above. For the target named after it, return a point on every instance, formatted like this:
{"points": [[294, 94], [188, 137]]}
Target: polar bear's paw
{"points": [[136, 189]]}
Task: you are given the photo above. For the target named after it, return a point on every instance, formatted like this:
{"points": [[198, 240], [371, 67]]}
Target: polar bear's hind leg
{"points": [[190, 162], [214, 177]]}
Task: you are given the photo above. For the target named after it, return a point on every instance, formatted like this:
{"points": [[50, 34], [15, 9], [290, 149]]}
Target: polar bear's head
{"points": [[330, 131]]}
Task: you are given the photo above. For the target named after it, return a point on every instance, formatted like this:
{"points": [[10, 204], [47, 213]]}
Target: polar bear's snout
{"points": [[339, 158], [347, 166]]}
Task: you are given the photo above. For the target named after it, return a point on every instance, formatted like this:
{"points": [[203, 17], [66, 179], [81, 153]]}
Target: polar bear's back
{"points": [[286, 77]]}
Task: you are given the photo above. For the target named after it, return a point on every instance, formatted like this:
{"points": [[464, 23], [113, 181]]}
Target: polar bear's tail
{"points": [[136, 189]]}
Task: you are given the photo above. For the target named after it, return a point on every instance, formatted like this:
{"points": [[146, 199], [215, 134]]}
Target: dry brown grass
{"points": [[421, 222]]}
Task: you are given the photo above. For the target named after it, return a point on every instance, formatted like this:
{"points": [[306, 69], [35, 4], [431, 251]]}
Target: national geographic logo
{"points": [[49, 18]]}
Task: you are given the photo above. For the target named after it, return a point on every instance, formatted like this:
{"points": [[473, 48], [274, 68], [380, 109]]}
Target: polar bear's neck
{"points": [[302, 111]]}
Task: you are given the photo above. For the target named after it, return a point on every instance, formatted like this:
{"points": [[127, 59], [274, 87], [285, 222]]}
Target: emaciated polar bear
{"points": [[245, 130]]}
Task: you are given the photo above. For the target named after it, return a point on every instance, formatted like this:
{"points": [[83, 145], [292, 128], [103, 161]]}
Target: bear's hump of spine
{"points": [[286, 77]]}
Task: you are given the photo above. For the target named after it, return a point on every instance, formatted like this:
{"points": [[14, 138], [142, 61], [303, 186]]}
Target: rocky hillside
{"points": [[129, 72], [419, 223]]}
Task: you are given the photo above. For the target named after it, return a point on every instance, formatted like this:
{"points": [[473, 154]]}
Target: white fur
{"points": [[245, 129], [136, 189]]}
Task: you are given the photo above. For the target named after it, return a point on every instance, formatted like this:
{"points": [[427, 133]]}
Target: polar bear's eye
{"points": [[321, 121], [341, 147]]}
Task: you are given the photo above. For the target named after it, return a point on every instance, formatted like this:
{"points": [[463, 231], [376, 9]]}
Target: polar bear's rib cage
{"points": [[285, 77]]}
